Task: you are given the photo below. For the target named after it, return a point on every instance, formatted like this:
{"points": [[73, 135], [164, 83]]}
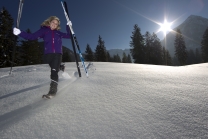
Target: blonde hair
{"points": [[51, 18]]}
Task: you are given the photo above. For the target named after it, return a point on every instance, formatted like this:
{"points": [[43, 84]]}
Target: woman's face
{"points": [[54, 24]]}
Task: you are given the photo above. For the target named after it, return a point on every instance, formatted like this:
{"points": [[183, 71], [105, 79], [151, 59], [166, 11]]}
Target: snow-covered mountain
{"points": [[193, 29], [120, 52], [116, 101]]}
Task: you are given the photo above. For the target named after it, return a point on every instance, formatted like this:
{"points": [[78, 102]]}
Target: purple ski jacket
{"points": [[52, 38]]}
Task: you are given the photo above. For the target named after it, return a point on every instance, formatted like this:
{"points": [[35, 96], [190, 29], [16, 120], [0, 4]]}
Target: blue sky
{"points": [[113, 20]]}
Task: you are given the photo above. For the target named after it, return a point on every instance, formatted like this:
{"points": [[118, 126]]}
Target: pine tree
{"points": [[166, 58], [100, 51], [156, 50], [198, 56], [109, 59], [191, 58], [116, 58], [137, 45], [204, 46], [31, 52], [89, 53], [169, 59], [153, 49], [175, 61], [148, 49], [124, 59], [129, 59], [180, 48], [7, 39]]}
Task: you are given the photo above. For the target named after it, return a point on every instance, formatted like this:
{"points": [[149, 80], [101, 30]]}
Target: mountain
{"points": [[192, 29]]}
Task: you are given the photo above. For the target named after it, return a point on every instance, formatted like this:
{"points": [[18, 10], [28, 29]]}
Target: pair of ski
{"points": [[73, 40]]}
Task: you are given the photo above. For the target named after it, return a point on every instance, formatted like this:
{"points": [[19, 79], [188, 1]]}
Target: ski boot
{"points": [[52, 91], [62, 67]]}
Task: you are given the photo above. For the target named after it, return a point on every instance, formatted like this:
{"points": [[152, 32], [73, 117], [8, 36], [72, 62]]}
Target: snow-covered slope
{"points": [[116, 101]]}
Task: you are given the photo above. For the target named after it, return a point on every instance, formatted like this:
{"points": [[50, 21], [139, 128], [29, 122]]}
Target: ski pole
{"points": [[18, 22]]}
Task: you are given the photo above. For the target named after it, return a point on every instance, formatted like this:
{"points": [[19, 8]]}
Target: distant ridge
{"points": [[120, 52], [192, 29]]}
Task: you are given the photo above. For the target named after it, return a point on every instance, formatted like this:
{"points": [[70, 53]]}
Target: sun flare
{"points": [[165, 27]]}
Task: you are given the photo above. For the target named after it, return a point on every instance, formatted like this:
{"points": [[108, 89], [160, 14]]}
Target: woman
{"points": [[52, 37]]}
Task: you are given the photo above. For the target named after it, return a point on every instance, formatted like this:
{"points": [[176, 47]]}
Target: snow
{"points": [[116, 101]]}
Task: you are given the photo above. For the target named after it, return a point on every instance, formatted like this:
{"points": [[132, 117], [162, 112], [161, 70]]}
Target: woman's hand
{"points": [[16, 31]]}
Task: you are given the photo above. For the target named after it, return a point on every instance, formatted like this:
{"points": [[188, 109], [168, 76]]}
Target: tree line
{"points": [[147, 49], [102, 55], [144, 49]]}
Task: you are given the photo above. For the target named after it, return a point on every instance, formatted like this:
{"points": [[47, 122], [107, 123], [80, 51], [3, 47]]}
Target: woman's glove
{"points": [[16, 31]]}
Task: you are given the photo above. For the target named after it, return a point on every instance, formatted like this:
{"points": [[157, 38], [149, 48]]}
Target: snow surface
{"points": [[116, 101]]}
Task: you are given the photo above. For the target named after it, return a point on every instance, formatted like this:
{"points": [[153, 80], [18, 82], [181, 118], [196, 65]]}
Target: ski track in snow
{"points": [[116, 101]]}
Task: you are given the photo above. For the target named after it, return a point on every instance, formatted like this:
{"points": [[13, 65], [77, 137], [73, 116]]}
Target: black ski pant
{"points": [[54, 61]]}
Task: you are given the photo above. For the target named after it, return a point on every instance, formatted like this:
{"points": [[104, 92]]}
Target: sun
{"points": [[165, 27]]}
